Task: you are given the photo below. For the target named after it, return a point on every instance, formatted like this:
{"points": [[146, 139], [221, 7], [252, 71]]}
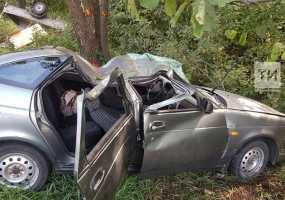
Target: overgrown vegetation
{"points": [[245, 34], [259, 27]]}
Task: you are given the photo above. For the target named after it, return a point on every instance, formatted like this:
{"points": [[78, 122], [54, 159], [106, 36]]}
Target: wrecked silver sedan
{"points": [[58, 113]]}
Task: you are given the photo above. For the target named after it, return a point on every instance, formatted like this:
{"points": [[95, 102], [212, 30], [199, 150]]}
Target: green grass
{"points": [[58, 188], [203, 185]]}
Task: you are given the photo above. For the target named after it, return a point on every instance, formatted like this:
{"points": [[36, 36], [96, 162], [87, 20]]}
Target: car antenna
{"points": [[225, 76], [223, 79]]}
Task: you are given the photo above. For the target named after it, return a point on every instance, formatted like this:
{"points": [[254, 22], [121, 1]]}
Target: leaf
{"points": [[149, 4], [231, 34], [132, 9], [277, 50], [203, 17], [170, 7], [178, 13], [199, 11], [243, 39], [198, 29]]}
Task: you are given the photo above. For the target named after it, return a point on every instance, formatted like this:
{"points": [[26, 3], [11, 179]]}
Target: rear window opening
{"points": [[101, 114]]}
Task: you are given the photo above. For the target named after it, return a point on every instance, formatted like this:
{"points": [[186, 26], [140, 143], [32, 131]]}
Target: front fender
{"points": [[249, 127]]}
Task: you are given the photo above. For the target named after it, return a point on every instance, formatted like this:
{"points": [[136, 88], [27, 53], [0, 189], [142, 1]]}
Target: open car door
{"points": [[100, 172]]}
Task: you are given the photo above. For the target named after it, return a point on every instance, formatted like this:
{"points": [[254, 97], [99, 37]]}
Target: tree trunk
{"points": [[89, 18], [103, 27]]}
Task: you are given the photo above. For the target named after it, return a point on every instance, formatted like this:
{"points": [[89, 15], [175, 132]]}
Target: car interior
{"points": [[156, 90], [104, 113], [100, 117]]}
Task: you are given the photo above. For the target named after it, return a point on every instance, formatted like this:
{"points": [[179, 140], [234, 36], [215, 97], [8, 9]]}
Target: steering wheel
{"points": [[174, 106], [155, 91]]}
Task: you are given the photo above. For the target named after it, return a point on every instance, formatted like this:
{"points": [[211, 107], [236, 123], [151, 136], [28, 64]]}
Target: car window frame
{"points": [[182, 93]]}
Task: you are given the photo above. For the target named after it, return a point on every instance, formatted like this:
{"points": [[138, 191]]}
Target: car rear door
{"points": [[100, 172]]}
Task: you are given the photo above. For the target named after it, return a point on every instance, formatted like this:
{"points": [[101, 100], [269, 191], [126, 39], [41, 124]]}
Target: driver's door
{"points": [[99, 173], [181, 139]]}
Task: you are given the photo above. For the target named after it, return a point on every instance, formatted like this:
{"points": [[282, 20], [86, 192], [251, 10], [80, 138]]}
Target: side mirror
{"points": [[207, 106]]}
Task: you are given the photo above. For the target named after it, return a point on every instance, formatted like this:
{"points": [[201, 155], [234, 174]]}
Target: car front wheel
{"points": [[22, 166], [251, 160]]}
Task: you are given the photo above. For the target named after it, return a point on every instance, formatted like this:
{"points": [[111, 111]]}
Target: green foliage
{"points": [[132, 9], [231, 34], [203, 12], [149, 4], [243, 39], [170, 7], [203, 17], [179, 12], [277, 50], [206, 60], [7, 27]]}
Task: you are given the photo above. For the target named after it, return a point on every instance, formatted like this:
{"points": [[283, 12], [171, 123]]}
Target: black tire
{"points": [[39, 10], [239, 163], [41, 165]]}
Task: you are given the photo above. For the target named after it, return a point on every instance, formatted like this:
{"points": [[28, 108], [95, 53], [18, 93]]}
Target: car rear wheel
{"points": [[22, 166], [251, 160]]}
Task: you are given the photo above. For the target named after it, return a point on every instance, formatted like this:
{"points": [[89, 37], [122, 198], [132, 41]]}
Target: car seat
{"points": [[93, 133]]}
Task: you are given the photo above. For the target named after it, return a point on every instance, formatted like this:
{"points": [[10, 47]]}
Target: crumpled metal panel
{"points": [[133, 65]]}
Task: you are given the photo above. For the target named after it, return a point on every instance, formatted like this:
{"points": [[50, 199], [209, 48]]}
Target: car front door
{"points": [[181, 139], [100, 172]]}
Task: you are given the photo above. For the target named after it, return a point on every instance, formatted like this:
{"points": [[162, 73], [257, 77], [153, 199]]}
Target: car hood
{"points": [[237, 102]]}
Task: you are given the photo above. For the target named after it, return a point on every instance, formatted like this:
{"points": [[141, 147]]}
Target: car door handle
{"points": [[98, 179], [157, 125]]}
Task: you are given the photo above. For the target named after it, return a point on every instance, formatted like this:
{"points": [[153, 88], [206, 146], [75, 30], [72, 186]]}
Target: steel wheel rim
{"points": [[39, 8], [252, 162], [18, 170]]}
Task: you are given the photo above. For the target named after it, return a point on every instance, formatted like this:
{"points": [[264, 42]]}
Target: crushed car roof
{"points": [[133, 65]]}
